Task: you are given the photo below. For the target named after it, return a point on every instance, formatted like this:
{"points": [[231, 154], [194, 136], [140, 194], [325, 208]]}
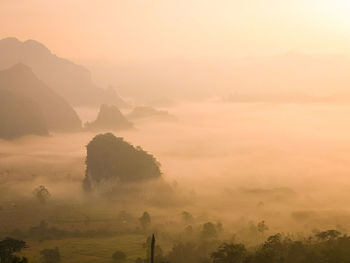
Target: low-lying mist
{"points": [[286, 164]]}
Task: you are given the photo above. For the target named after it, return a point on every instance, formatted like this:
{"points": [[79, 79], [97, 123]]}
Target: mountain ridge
{"points": [[20, 80], [70, 80]]}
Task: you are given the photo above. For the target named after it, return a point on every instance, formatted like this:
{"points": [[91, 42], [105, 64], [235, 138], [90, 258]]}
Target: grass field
{"points": [[90, 250], [110, 235]]}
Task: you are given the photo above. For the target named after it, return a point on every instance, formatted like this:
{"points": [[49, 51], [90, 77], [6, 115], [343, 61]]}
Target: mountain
{"points": [[73, 82], [111, 160], [276, 98], [149, 113], [20, 80], [20, 116], [109, 118], [196, 78]]}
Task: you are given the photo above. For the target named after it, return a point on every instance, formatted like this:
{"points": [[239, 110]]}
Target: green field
{"points": [[90, 250]]}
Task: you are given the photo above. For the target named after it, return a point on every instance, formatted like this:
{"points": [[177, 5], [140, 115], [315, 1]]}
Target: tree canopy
{"points": [[10, 246], [111, 158]]}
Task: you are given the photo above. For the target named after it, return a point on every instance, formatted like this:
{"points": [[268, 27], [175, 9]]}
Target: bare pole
{"points": [[152, 248]]}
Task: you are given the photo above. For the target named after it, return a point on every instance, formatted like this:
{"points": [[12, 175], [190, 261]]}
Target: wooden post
{"points": [[152, 248]]}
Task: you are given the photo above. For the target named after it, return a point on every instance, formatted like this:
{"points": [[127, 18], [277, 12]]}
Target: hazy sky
{"points": [[143, 29]]}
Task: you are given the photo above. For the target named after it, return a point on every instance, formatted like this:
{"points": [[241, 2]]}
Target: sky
{"points": [[158, 29]]}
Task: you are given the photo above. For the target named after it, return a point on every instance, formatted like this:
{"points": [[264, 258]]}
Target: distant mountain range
{"points": [[299, 98], [179, 78], [21, 81], [71, 81], [149, 113]]}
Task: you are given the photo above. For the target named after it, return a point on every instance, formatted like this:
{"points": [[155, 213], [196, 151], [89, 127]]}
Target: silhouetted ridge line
{"points": [[59, 115], [72, 81]]}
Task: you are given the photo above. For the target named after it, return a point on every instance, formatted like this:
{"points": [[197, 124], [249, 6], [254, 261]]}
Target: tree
{"points": [[272, 250], [187, 217], [262, 228], [19, 260], [42, 194], [119, 256], [219, 227], [8, 247], [145, 220], [50, 255], [209, 230], [229, 253], [328, 235], [189, 230], [183, 253]]}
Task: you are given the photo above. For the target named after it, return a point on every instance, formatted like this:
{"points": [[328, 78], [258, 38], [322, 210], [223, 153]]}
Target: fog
{"points": [[292, 72], [282, 163], [174, 131]]}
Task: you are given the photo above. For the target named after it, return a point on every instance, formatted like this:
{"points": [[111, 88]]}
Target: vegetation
{"points": [[209, 230], [328, 246], [44, 232], [187, 217], [50, 255], [77, 231], [42, 194], [111, 159], [230, 253], [207, 244], [10, 246], [118, 256], [154, 253], [145, 220]]}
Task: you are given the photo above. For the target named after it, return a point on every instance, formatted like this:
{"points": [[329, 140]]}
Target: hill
{"points": [[110, 160], [109, 118], [20, 116], [149, 113], [59, 115], [73, 82]]}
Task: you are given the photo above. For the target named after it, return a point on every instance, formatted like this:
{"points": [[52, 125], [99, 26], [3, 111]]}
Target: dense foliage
{"points": [[119, 256], [50, 255], [111, 158], [326, 247], [8, 248], [42, 194]]}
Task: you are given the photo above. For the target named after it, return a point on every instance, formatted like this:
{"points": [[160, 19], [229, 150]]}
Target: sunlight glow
{"points": [[339, 11]]}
